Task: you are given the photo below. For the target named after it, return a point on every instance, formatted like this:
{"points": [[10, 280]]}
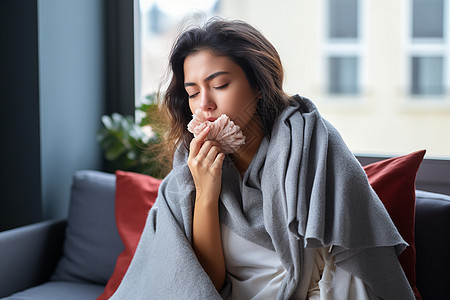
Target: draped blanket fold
{"points": [[303, 188]]}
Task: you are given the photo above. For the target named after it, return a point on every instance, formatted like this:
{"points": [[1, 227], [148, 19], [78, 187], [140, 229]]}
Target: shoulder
{"points": [[302, 104], [300, 112]]}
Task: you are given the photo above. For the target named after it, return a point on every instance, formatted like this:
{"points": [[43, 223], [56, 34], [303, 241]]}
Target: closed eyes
{"points": [[216, 88], [193, 95], [222, 86]]}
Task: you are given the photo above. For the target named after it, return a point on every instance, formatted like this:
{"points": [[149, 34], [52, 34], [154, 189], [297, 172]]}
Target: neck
{"points": [[253, 137]]}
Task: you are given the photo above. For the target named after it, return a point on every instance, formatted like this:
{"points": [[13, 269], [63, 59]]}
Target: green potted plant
{"points": [[129, 145]]}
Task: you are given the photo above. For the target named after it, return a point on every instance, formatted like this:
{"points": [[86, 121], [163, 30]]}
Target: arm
{"points": [[205, 162], [207, 242]]}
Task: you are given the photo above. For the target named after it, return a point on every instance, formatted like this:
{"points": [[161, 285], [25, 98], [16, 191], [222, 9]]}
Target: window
{"points": [[343, 75], [428, 19], [343, 19], [428, 48], [157, 24], [343, 47], [427, 75]]}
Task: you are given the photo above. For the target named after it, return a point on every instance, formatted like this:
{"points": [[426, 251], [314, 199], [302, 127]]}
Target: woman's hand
{"points": [[205, 162]]}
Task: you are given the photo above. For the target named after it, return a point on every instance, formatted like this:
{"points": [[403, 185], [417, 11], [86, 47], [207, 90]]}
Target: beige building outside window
{"points": [[377, 70]]}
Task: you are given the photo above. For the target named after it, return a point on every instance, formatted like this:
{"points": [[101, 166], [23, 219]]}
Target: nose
{"points": [[206, 102]]}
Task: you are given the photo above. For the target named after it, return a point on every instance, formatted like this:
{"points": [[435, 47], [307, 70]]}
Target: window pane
{"points": [[343, 75], [160, 21], [343, 18], [427, 75], [428, 16]]}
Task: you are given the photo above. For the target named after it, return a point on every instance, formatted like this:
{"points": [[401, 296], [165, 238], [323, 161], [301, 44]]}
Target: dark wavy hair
{"points": [[245, 46]]}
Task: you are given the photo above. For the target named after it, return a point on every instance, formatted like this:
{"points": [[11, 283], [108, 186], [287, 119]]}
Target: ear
{"points": [[259, 94]]}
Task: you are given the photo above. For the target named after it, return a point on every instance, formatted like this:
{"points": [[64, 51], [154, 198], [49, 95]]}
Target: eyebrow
{"points": [[209, 78]]}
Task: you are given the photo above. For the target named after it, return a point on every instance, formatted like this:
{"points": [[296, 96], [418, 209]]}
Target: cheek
{"points": [[250, 109], [244, 100], [192, 107], [244, 111], [248, 103]]}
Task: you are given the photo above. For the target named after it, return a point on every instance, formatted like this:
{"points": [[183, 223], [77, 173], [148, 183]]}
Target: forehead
{"points": [[202, 63]]}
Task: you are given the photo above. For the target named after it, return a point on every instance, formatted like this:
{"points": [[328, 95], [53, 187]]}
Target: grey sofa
{"points": [[73, 258]]}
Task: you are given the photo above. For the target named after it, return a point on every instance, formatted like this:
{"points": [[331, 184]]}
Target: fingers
{"points": [[210, 155], [214, 156], [198, 141], [205, 153], [205, 163], [201, 147], [209, 150], [218, 161]]}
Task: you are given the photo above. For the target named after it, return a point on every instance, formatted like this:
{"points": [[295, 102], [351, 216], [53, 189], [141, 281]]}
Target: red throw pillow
{"points": [[394, 182], [135, 195]]}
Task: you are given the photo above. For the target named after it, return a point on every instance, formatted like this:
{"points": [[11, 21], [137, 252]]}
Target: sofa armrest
{"points": [[29, 254], [432, 233]]}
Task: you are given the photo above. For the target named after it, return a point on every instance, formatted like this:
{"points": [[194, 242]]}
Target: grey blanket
{"points": [[303, 188]]}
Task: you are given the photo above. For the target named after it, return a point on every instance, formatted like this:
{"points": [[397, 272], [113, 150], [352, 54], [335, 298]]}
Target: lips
{"points": [[211, 119]]}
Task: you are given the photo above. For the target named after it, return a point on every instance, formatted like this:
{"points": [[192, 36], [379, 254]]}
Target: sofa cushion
{"points": [[394, 182], [135, 195], [59, 290], [92, 242], [432, 244]]}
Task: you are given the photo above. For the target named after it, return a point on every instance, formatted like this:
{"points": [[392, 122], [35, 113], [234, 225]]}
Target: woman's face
{"points": [[219, 86]]}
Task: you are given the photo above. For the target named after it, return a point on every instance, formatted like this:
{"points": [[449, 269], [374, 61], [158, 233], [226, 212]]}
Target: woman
{"points": [[289, 215]]}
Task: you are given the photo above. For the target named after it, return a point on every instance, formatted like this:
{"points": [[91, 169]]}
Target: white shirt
{"points": [[257, 273]]}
